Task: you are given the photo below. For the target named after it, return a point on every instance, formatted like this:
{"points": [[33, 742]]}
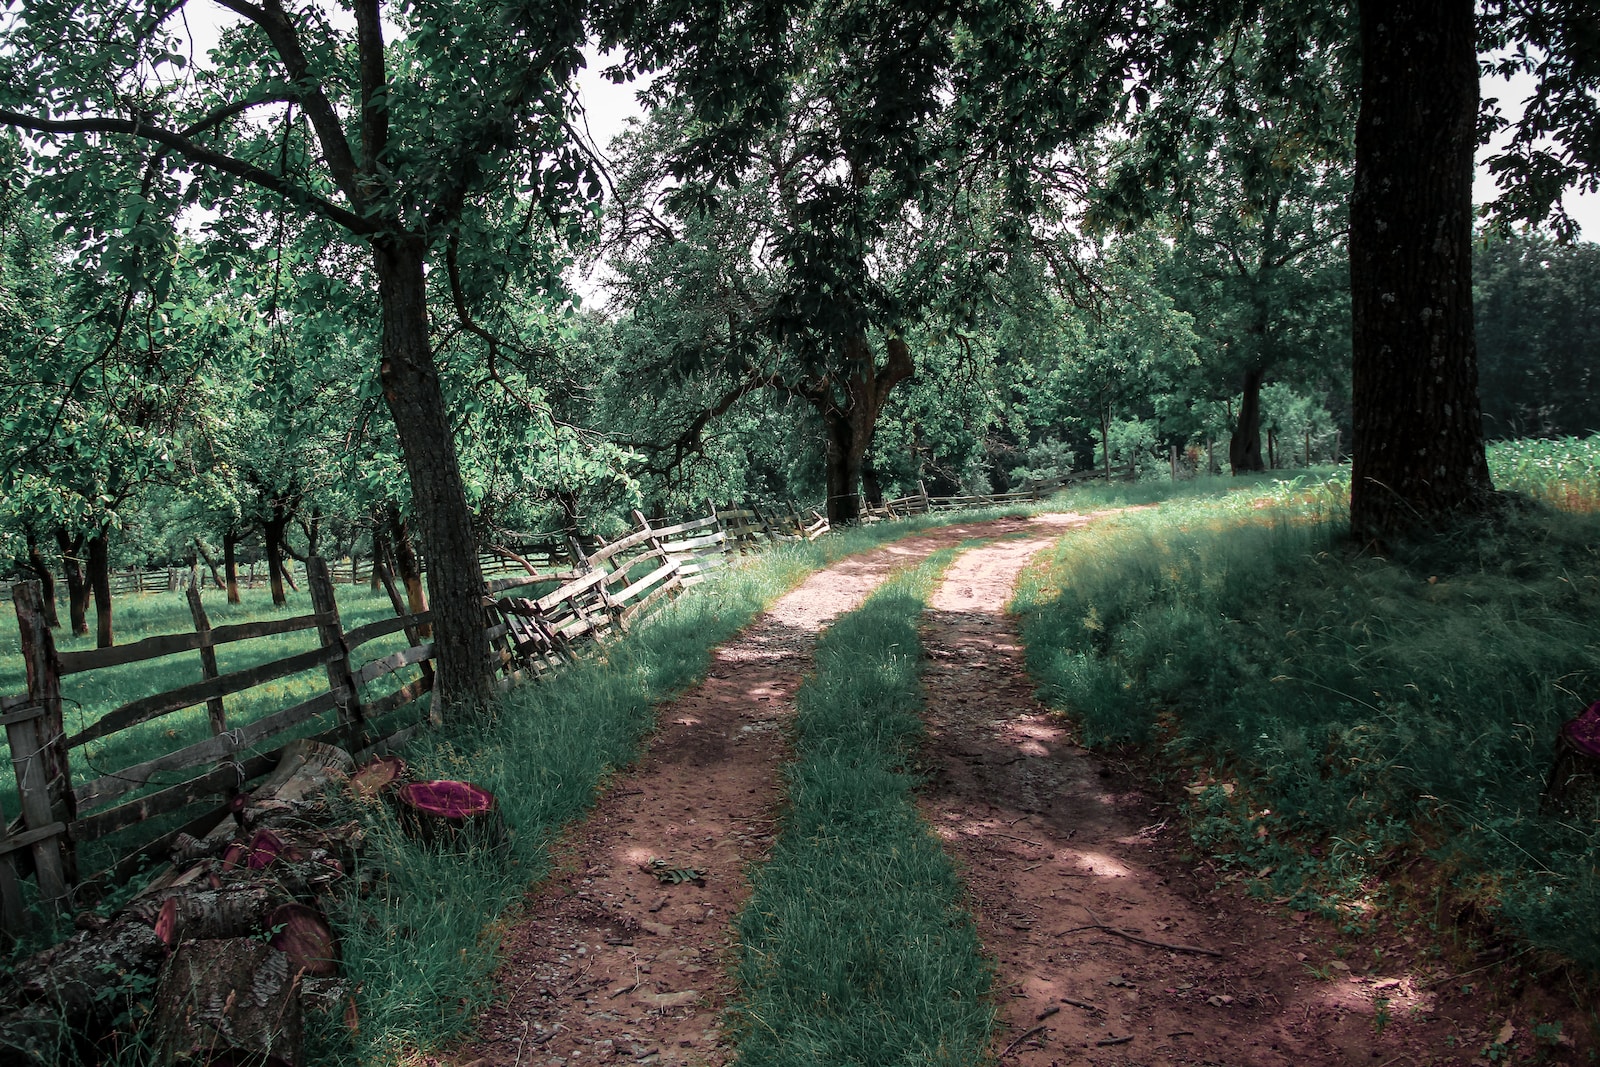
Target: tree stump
{"points": [[1573, 787], [232, 1001], [446, 812]]}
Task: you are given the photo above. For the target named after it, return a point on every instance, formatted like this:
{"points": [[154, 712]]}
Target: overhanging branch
{"points": [[196, 153]]}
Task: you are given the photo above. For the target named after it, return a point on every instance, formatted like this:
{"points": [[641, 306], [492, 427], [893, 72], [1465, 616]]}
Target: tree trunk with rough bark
{"points": [[71, 547], [1418, 448], [850, 429], [272, 531], [411, 386], [100, 585], [47, 581], [230, 564], [1244, 447]]}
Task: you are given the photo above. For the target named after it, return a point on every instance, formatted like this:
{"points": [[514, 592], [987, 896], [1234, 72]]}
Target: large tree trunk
{"points": [[100, 584], [411, 387], [272, 531], [1418, 449], [850, 429], [230, 563], [47, 581], [1244, 447], [77, 583]]}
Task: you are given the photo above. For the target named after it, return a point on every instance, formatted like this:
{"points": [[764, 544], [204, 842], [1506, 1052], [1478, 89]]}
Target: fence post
{"points": [[208, 671], [1308, 448], [12, 917], [329, 631], [1173, 456], [922, 489], [716, 521], [401, 609], [39, 751]]}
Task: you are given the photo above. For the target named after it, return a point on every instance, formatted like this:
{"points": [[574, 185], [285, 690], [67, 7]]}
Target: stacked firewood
{"points": [[231, 936]]}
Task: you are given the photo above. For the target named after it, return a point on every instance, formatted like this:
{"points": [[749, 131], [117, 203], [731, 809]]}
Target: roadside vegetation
{"points": [[855, 946], [1337, 714]]}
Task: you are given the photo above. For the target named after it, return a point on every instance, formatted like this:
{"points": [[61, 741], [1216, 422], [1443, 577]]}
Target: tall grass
{"points": [[1368, 708], [854, 946]]}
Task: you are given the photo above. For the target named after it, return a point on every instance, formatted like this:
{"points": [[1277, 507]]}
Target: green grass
{"points": [[854, 946], [1368, 709]]}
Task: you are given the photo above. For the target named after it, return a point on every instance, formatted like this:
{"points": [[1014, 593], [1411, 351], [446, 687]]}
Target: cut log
{"points": [[376, 775], [447, 812], [230, 1001], [302, 933], [186, 914], [58, 996]]}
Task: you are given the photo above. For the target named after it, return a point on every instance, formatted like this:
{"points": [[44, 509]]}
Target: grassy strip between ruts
{"points": [[421, 947], [855, 947], [1337, 713]]}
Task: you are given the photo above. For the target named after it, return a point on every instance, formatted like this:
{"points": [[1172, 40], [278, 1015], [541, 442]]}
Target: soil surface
{"points": [[1112, 944]]}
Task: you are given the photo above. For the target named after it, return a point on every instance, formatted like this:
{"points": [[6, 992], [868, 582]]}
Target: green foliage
{"points": [[1564, 472], [1536, 307], [1366, 707], [854, 947]]}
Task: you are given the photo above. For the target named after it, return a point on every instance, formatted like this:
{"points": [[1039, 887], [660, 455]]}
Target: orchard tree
{"points": [[394, 127]]}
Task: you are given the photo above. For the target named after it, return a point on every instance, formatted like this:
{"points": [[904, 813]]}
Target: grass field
{"points": [[1362, 711]]}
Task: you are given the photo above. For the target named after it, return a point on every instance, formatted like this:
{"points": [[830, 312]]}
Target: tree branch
{"points": [[285, 39], [374, 86], [195, 153]]}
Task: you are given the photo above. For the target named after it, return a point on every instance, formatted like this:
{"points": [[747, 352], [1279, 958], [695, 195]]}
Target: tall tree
{"points": [[400, 145], [1418, 431]]}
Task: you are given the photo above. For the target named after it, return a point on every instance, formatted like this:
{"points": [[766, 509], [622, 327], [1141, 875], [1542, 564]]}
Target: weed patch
{"points": [[855, 948]]}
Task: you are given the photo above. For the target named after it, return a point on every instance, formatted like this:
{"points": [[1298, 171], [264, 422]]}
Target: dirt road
{"points": [[1112, 943]]}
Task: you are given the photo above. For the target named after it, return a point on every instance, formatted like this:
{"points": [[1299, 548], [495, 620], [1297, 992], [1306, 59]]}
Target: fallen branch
{"points": [[1019, 1041], [1170, 946], [1114, 1041], [1084, 1004]]}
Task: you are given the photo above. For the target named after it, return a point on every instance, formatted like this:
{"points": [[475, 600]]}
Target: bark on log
{"points": [[226, 1002], [59, 995], [305, 769]]}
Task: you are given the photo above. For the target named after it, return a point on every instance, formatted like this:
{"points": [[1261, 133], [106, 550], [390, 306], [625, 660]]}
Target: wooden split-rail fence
{"points": [[367, 703]]}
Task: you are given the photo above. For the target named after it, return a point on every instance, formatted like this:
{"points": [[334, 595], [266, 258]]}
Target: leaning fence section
{"points": [[167, 763]]}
